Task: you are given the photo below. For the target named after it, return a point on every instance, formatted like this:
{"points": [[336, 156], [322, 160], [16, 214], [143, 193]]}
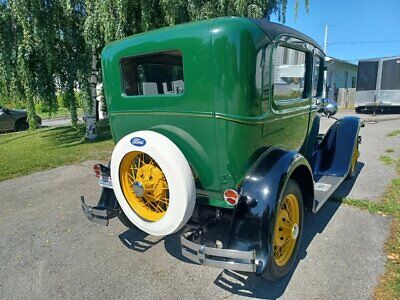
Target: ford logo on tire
{"points": [[137, 141]]}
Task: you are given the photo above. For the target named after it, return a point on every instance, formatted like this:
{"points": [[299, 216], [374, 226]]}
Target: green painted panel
{"points": [[218, 122]]}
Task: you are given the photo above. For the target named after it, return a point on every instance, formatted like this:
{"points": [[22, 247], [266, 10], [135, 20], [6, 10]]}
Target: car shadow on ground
{"points": [[248, 284], [137, 240], [345, 188], [66, 136]]}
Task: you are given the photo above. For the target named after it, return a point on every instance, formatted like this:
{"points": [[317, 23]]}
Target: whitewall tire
{"points": [[177, 172]]}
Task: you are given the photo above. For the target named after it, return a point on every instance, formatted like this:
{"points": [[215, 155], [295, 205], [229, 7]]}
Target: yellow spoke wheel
{"points": [[353, 164], [286, 230], [356, 154], [144, 186]]}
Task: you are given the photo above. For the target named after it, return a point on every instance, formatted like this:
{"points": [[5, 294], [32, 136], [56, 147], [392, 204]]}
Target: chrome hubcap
{"points": [[138, 188]]}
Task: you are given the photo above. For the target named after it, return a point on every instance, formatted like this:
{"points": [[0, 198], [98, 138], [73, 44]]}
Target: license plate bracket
{"points": [[105, 181]]}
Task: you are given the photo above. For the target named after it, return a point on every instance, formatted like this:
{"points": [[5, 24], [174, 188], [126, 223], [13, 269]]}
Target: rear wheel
{"points": [[288, 231], [21, 125]]}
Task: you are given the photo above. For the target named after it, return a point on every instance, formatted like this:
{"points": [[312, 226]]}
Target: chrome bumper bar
{"points": [[244, 261], [99, 214]]}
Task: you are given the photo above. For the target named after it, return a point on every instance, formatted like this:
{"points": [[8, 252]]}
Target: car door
{"points": [[317, 78], [6, 121], [291, 101], [316, 96]]}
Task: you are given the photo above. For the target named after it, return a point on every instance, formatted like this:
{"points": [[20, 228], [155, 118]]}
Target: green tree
{"points": [[54, 45], [109, 20], [34, 60], [71, 52]]}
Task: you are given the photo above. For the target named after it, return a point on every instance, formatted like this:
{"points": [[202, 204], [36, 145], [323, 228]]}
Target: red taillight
{"points": [[97, 170], [231, 197]]}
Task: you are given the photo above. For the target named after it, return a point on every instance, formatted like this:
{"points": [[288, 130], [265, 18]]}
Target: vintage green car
{"points": [[216, 127]]}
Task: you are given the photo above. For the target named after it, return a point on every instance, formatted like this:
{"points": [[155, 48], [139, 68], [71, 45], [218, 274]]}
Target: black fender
{"points": [[334, 154], [254, 219]]}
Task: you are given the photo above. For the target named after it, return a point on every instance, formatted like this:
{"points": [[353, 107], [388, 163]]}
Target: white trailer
{"points": [[378, 84]]}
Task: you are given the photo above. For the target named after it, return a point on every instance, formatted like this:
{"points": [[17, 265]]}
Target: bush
{"points": [[63, 101], [12, 104], [42, 107]]}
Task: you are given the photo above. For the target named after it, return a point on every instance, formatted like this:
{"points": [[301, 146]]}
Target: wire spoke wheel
{"points": [[144, 186], [287, 230], [356, 154]]}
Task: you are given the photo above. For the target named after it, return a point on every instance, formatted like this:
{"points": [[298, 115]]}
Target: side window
{"points": [[262, 77], [266, 80], [259, 73], [155, 74], [289, 74], [318, 76]]}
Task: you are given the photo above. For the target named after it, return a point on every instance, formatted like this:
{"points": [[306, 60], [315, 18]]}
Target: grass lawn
{"points": [[31, 151], [394, 133], [61, 112], [389, 287]]}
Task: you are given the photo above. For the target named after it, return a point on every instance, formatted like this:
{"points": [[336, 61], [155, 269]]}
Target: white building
{"points": [[340, 74]]}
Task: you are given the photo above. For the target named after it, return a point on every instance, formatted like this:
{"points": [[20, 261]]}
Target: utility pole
{"points": [[324, 90], [326, 39]]}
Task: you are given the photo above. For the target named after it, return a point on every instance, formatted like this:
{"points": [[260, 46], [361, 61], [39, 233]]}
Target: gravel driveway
{"points": [[50, 251]]}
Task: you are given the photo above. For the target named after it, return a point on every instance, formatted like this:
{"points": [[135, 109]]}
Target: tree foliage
{"points": [[50, 46]]}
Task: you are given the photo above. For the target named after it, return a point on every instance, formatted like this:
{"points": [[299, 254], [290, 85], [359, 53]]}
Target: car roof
{"points": [[273, 30], [276, 30]]}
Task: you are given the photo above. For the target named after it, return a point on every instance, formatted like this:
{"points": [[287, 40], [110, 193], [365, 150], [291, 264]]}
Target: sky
{"points": [[363, 28]]}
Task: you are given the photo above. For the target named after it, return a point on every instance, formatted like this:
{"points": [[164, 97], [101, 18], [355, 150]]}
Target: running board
{"points": [[324, 188]]}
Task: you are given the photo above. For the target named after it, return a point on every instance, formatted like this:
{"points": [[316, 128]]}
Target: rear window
{"points": [[154, 74], [367, 74]]}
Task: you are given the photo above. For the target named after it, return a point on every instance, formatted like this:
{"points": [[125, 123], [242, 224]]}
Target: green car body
{"points": [[227, 115], [217, 135]]}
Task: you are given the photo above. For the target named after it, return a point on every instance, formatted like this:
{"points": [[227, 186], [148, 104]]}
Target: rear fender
{"points": [[334, 154], [253, 224]]}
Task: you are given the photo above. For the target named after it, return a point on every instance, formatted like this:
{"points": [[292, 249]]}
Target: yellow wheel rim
{"points": [[286, 230], [144, 185], [356, 154]]}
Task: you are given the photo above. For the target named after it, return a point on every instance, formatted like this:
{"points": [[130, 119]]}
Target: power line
{"points": [[326, 43], [363, 42], [363, 23]]}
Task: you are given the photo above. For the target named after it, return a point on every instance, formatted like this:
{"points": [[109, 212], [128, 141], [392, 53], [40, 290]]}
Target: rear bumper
{"points": [[244, 261], [99, 214]]}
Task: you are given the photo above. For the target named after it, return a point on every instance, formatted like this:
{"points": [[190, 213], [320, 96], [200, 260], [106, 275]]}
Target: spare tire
{"points": [[153, 182]]}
